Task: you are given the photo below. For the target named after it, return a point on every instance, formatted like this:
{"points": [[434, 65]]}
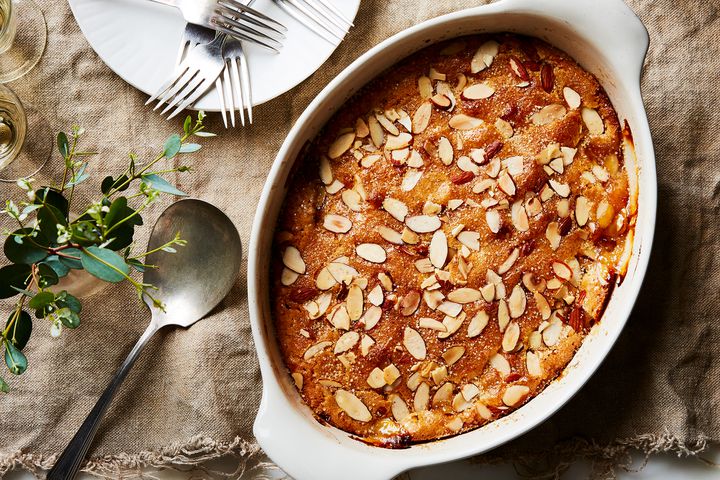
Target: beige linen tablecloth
{"points": [[193, 394]]}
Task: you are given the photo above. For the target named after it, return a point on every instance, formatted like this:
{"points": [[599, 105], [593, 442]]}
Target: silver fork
{"points": [[234, 85], [320, 16], [192, 36], [192, 77], [232, 18]]}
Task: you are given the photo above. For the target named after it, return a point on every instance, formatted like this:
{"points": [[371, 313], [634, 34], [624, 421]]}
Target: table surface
{"points": [[659, 467]]}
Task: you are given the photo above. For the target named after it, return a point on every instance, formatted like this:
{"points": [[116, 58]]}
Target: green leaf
{"points": [[50, 217], [104, 264], [63, 144], [20, 249], [172, 146], [203, 133], [85, 232], [68, 318], [4, 387], [17, 275], [109, 183], [14, 359], [137, 265], [50, 196], [60, 269], [65, 300], [190, 148], [73, 263], [41, 300], [187, 126], [19, 333], [162, 185], [48, 277]]}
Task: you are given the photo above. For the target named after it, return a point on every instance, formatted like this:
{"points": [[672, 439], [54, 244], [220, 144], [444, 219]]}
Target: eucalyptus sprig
{"points": [[48, 242]]}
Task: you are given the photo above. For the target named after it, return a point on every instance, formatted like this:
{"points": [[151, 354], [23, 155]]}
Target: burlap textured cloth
{"points": [[193, 393]]}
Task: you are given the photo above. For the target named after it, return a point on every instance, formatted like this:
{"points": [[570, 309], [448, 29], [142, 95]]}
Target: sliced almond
{"points": [[442, 101], [572, 98], [421, 119], [376, 296], [339, 317], [361, 128], [469, 239], [445, 151], [352, 199], [371, 317], [582, 210], [464, 122], [552, 233], [561, 189], [562, 270], [372, 252], [337, 223], [365, 344], [548, 114], [334, 187], [424, 265], [396, 142], [542, 305], [488, 292], [484, 56], [464, 295], [376, 132], [492, 217], [444, 88], [288, 277], [352, 406], [369, 160], [390, 235], [355, 302], [593, 121], [376, 379], [532, 363], [443, 395], [500, 363], [438, 249], [453, 354], [551, 334], [433, 298], [396, 208], [415, 160], [391, 373], [387, 124], [341, 272], [411, 179], [341, 145], [509, 261], [511, 336], [467, 165], [346, 342], [478, 324], [519, 217], [431, 324], [451, 309], [422, 397], [398, 407], [326, 175], [385, 281], [514, 394], [298, 379], [519, 69], [325, 280], [517, 302], [410, 303], [478, 91], [503, 315], [425, 87], [316, 349], [414, 343], [423, 223], [504, 127], [293, 260]]}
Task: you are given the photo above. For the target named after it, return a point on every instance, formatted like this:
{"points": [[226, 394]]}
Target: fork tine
{"points": [[245, 84], [237, 89], [184, 93], [202, 88], [229, 13], [181, 52], [309, 20], [238, 6], [336, 11], [168, 83], [246, 28], [241, 36], [223, 108], [182, 80], [228, 93], [319, 9]]}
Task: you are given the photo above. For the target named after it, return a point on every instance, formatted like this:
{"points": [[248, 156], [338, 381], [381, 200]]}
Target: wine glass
{"points": [[21, 156], [23, 34]]}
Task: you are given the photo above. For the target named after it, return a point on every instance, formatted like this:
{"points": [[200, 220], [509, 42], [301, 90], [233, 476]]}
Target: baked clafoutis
{"points": [[450, 238]]}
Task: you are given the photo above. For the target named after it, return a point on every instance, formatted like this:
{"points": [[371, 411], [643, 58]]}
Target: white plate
{"points": [[139, 39]]}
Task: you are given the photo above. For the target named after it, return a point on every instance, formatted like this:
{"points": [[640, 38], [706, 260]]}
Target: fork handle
{"points": [[68, 464]]}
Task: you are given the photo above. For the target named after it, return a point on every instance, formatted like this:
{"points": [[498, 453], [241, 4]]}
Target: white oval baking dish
{"points": [[607, 39]]}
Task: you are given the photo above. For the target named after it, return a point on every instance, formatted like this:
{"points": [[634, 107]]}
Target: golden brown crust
{"points": [[433, 274]]}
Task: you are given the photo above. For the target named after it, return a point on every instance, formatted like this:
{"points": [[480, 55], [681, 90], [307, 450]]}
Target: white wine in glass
{"points": [[23, 34]]}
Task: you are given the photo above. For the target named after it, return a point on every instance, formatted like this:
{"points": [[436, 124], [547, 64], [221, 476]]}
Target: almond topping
{"points": [[376, 132], [423, 223], [442, 101], [422, 397], [337, 223], [452, 324], [503, 315], [425, 87], [605, 213], [352, 199], [500, 363], [517, 301], [519, 216], [398, 407], [451, 309], [432, 324], [352, 405], [464, 295], [548, 114], [443, 394], [298, 379], [514, 394], [469, 239], [365, 345], [492, 217], [326, 175], [421, 119], [478, 91], [465, 122], [551, 333], [504, 127], [445, 151], [396, 142], [391, 373], [341, 145], [532, 363], [346, 342], [542, 305], [562, 270], [547, 77], [582, 210], [372, 317], [509, 261], [453, 354], [376, 379], [288, 277], [552, 233], [396, 208], [593, 121], [355, 302], [438, 249], [390, 235], [339, 317], [414, 343], [372, 252], [376, 296], [519, 69], [341, 272], [478, 324], [488, 292], [325, 280], [511, 336], [293, 260], [561, 189], [467, 165], [410, 303], [315, 349], [361, 128], [572, 98], [484, 56]]}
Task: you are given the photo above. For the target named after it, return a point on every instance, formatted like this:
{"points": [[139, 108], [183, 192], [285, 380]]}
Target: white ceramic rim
{"points": [[608, 40]]}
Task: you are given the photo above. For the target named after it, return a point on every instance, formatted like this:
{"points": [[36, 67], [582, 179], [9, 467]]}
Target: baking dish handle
{"points": [[609, 22]]}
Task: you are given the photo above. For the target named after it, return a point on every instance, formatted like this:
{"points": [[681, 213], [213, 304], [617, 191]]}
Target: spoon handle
{"points": [[69, 461]]}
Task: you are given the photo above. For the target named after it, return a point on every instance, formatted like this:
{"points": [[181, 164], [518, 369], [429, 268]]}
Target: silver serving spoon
{"points": [[190, 283]]}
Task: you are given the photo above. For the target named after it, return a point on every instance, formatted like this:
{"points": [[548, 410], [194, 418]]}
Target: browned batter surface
{"points": [[449, 238]]}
